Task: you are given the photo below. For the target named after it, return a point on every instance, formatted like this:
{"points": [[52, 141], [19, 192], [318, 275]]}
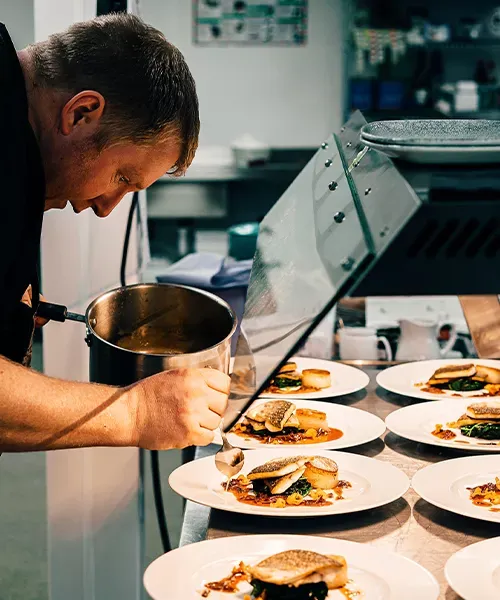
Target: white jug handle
{"points": [[451, 342], [387, 347]]}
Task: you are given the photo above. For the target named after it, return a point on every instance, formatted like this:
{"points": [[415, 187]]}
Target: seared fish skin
{"points": [[484, 410], [278, 467], [300, 567], [455, 371], [273, 414]]}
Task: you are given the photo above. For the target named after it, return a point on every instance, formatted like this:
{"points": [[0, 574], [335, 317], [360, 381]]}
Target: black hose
{"points": [[126, 241], [155, 462], [158, 498]]}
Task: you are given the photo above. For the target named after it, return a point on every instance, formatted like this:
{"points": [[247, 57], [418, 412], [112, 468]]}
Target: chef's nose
{"points": [[106, 204]]}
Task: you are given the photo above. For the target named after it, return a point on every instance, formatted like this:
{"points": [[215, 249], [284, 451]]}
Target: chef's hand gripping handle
{"points": [[57, 312]]}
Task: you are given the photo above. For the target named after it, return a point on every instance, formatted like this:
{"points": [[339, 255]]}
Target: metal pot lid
{"points": [[435, 133]]}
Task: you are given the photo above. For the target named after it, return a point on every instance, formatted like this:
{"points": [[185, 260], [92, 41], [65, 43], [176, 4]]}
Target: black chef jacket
{"points": [[22, 195]]}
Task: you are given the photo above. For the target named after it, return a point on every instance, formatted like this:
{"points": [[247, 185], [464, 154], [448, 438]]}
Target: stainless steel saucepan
{"points": [[139, 330]]}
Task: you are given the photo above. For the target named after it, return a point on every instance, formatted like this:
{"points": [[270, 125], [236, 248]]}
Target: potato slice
{"points": [[311, 419], [316, 378], [322, 473]]}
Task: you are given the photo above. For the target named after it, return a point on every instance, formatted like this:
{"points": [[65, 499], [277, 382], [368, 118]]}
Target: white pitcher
{"points": [[419, 340], [361, 343]]}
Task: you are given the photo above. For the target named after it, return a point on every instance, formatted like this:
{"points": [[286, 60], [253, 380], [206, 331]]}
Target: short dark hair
{"points": [[149, 91]]}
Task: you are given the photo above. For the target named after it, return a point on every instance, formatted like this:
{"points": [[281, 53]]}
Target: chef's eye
{"points": [[123, 179]]}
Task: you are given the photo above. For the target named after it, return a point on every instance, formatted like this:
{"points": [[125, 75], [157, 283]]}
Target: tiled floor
{"points": [[23, 536]]}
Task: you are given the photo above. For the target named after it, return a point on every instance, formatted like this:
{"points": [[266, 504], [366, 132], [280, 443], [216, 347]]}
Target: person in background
{"points": [[93, 113]]}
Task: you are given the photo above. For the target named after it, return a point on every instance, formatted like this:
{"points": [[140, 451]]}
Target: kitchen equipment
{"points": [[418, 340], [243, 240], [139, 330], [483, 155], [373, 483], [469, 28], [475, 558], [320, 344], [437, 33], [344, 380], [436, 141], [361, 343], [248, 151], [358, 426], [351, 224], [361, 94], [448, 483], [226, 278], [378, 572], [433, 133], [390, 95], [229, 460], [409, 379]]}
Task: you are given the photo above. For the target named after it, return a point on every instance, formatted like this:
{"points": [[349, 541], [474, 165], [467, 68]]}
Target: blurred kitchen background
{"points": [[266, 106]]}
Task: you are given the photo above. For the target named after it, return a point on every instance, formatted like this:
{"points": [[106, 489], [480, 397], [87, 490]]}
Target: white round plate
{"points": [[381, 575], [402, 378], [445, 484], [416, 422], [374, 483], [358, 427], [474, 572], [345, 379]]}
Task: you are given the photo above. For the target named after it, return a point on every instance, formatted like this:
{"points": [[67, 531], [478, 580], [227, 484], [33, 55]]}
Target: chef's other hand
{"points": [[178, 408]]}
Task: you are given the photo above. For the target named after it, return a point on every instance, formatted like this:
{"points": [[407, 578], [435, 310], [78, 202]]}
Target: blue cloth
{"points": [[208, 271]]}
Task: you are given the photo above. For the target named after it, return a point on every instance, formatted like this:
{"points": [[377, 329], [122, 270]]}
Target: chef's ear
{"points": [[86, 108]]}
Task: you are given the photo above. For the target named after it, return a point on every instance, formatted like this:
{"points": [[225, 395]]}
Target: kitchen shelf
{"points": [[481, 43]]}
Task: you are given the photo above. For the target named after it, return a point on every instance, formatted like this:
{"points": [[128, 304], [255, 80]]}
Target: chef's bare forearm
{"points": [[40, 413]]}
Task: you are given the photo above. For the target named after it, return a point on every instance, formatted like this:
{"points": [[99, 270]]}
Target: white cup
{"points": [[361, 343]]}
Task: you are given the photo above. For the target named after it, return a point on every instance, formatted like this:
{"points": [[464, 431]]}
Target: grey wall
{"points": [[18, 16], [286, 96]]}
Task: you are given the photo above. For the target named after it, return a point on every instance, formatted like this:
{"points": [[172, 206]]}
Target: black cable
{"points": [[158, 498], [155, 462], [126, 241]]}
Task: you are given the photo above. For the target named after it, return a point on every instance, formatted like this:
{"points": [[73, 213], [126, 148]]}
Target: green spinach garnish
{"points": [[466, 385], [302, 487], [485, 431]]}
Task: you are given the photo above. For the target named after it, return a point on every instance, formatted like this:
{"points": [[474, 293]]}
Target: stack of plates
{"points": [[436, 141]]}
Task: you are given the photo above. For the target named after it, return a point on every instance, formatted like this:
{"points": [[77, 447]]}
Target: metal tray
{"points": [[434, 132]]}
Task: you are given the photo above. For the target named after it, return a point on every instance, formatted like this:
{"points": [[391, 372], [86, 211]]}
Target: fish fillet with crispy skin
{"points": [[278, 467], [273, 414], [455, 372], [300, 567]]}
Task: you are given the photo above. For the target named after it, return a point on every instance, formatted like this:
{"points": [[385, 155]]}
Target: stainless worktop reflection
{"points": [[409, 526]]}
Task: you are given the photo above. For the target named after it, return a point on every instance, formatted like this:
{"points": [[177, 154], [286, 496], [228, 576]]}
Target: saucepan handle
{"points": [[57, 312]]}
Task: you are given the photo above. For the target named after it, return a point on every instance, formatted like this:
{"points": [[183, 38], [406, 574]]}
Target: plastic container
{"points": [[243, 240]]}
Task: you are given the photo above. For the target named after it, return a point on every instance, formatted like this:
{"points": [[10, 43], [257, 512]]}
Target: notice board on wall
{"points": [[250, 22]]}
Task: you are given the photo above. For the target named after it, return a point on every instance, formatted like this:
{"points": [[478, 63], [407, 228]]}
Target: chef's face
{"points": [[99, 180], [77, 173]]}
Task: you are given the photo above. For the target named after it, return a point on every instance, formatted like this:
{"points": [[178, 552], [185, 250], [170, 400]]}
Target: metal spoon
{"points": [[229, 460]]}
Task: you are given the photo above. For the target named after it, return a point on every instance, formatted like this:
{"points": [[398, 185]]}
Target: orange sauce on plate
{"points": [[443, 434], [229, 584], [484, 497], [245, 494]]}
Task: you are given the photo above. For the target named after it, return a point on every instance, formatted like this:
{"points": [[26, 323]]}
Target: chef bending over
{"points": [[103, 109]]}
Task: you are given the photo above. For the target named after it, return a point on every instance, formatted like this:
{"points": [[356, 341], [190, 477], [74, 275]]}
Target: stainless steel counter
{"points": [[409, 526]]}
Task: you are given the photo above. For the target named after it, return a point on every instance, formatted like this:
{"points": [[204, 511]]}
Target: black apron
{"points": [[22, 196]]}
